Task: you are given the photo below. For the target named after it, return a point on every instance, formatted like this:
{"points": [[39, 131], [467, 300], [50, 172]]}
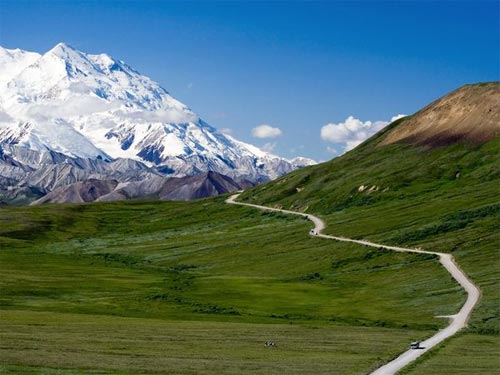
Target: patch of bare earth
{"points": [[470, 114]]}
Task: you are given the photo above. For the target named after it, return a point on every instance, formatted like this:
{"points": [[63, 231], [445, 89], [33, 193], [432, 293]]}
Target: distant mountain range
{"points": [[207, 184], [67, 116]]}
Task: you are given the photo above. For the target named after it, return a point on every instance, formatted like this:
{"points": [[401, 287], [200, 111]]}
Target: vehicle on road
{"points": [[415, 345]]}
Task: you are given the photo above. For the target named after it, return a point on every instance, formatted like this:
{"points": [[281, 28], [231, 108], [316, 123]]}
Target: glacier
{"points": [[82, 107]]}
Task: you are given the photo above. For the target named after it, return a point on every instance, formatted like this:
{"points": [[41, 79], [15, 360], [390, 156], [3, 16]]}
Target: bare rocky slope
{"points": [[469, 114], [207, 184]]}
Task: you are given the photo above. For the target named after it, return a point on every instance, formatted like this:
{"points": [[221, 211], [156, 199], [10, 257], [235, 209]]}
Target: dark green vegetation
{"points": [[444, 199], [198, 287]]}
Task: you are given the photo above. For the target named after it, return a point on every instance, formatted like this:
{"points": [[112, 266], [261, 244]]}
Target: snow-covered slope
{"points": [[13, 61], [95, 107]]}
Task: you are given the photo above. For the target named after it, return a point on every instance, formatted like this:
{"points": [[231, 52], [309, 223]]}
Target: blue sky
{"points": [[296, 66]]}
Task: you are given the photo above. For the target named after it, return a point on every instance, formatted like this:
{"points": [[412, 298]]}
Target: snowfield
{"points": [[96, 107]]}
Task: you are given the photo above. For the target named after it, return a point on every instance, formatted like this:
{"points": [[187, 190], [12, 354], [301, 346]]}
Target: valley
{"points": [[120, 255], [457, 321], [95, 265]]}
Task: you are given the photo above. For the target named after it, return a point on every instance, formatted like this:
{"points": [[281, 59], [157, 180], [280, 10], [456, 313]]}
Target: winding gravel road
{"points": [[457, 321]]}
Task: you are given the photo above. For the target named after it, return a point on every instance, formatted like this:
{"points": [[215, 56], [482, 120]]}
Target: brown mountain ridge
{"points": [[470, 114]]}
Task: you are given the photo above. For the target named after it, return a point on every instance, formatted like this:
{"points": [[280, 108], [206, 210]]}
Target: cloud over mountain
{"points": [[266, 131], [67, 116], [352, 131]]}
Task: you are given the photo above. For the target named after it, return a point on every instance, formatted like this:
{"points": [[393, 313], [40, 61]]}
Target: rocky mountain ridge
{"points": [[67, 116]]}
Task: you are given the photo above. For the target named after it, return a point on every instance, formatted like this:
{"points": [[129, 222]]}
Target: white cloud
{"points": [[269, 147], [397, 117], [266, 131], [170, 115], [226, 131], [351, 132]]}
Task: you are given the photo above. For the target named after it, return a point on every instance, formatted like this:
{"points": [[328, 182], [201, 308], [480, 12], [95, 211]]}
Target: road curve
{"points": [[457, 321]]}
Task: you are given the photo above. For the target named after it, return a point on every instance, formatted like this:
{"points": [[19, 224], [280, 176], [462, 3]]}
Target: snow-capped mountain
{"points": [[14, 61], [83, 106]]}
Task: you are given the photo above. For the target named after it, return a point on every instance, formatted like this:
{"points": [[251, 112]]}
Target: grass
{"points": [[466, 354], [181, 263], [197, 287], [53, 342], [105, 279], [444, 200]]}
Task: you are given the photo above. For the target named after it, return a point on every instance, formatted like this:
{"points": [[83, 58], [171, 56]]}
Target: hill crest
{"points": [[470, 114]]}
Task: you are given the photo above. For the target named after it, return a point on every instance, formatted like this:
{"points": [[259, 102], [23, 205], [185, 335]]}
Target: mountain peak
{"points": [[68, 54], [89, 106], [62, 48], [13, 61], [74, 56]]}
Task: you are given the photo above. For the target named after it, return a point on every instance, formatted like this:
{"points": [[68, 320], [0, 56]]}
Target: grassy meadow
{"points": [[54, 343], [444, 200], [198, 287]]}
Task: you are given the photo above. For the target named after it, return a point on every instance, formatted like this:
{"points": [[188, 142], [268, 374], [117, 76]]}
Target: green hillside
{"points": [[442, 199], [84, 287], [146, 287]]}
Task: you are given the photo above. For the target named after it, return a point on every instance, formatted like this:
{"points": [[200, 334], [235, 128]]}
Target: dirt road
{"points": [[457, 321]]}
